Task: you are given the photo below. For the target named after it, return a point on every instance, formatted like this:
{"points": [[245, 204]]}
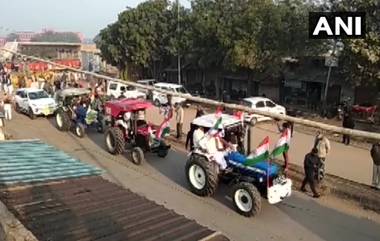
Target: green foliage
{"points": [[234, 34], [66, 37], [361, 57]]}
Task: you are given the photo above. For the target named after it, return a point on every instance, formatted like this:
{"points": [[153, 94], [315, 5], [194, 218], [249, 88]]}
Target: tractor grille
{"points": [[92, 208]]}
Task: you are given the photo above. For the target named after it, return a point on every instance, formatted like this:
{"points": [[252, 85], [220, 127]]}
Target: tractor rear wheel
{"points": [[202, 175], [62, 120], [246, 199], [115, 141]]}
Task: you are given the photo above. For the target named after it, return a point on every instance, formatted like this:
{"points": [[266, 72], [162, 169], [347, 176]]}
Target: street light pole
{"points": [[178, 37], [328, 76]]}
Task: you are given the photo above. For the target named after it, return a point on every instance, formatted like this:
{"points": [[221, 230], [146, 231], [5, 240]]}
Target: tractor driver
{"points": [[217, 147]]}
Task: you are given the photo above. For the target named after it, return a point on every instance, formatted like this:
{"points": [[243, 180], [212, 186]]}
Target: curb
{"points": [[12, 229], [362, 194]]}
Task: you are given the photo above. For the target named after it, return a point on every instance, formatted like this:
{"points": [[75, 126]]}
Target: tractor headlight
{"points": [[261, 179]]}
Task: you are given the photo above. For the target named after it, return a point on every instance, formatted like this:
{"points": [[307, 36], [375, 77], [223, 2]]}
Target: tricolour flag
{"points": [[164, 127], [214, 130], [239, 115], [261, 153], [282, 144]]}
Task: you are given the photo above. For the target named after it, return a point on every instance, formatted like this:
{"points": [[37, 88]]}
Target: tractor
{"points": [[129, 127], [249, 181], [73, 114]]}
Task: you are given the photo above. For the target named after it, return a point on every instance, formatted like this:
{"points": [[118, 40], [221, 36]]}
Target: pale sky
{"points": [[86, 16]]}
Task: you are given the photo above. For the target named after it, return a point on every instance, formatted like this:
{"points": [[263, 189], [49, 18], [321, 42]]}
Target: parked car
{"points": [[34, 102], [147, 82], [160, 98], [263, 104], [115, 89]]}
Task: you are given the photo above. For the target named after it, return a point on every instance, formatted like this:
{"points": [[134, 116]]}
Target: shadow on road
{"points": [[329, 224]]}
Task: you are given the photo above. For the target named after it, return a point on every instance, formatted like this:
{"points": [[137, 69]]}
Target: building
{"points": [[50, 50], [25, 36]]}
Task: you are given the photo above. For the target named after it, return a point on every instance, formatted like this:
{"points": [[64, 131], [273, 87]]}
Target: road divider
{"points": [[301, 121]]}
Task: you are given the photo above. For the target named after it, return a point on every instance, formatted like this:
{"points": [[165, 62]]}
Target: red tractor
{"points": [[129, 127]]}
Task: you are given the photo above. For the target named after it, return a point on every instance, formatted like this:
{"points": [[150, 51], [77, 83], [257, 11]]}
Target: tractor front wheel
{"points": [[246, 199], [115, 141], [202, 175], [137, 155], [80, 130]]}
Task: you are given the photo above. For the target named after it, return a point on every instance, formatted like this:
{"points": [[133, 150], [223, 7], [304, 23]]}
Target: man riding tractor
{"points": [[128, 126], [74, 111]]}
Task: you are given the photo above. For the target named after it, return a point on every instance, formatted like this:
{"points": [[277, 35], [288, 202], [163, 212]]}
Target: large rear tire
{"points": [[137, 155], [62, 120], [202, 175], [115, 141], [246, 199]]}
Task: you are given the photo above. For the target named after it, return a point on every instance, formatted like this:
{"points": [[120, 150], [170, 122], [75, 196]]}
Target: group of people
{"points": [[314, 164]]}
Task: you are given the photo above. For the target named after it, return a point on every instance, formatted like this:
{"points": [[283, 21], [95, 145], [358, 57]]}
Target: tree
{"points": [[360, 60], [66, 37]]}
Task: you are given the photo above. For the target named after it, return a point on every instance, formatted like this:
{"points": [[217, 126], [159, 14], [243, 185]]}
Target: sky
{"points": [[86, 16]]}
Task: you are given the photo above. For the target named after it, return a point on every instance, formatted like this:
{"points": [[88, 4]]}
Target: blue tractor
{"points": [[250, 182]]}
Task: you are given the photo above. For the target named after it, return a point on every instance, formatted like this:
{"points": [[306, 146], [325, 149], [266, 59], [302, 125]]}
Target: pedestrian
{"points": [[375, 154], [9, 84], [311, 163], [122, 95], [348, 122], [200, 111], [7, 107], [179, 118], [322, 144], [189, 138], [285, 129]]}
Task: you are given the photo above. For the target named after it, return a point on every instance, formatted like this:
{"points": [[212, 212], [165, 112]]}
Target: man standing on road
{"points": [[311, 164], [7, 107], [179, 119], [375, 154], [348, 122], [322, 144]]}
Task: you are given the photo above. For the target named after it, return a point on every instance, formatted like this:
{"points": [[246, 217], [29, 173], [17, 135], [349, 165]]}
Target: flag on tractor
{"points": [[239, 115], [282, 144], [214, 130], [164, 128], [261, 153]]}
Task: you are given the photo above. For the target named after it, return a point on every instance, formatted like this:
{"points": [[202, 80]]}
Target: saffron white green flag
{"points": [[261, 153], [282, 144]]}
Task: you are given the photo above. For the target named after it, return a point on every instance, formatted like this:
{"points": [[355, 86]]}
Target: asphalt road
{"points": [[349, 162], [163, 180]]}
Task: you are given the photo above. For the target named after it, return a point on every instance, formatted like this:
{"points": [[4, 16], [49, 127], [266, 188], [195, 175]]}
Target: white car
{"points": [[263, 104], [34, 102], [115, 89], [160, 98]]}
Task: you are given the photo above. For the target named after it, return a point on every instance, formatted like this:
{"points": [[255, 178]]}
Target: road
{"points": [[349, 162], [298, 218]]}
